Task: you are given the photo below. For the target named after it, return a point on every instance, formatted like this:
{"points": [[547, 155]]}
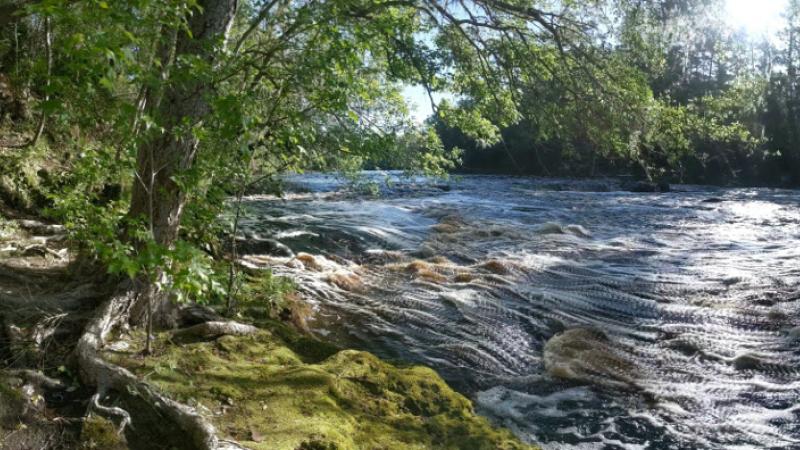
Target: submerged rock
{"points": [[259, 246], [746, 361], [645, 186], [498, 267], [346, 281], [557, 228], [587, 355]]}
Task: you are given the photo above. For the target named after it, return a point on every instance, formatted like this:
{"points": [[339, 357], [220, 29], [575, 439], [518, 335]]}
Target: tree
{"points": [[323, 77]]}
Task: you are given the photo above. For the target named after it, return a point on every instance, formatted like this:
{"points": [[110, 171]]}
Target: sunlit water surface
{"points": [[681, 310]]}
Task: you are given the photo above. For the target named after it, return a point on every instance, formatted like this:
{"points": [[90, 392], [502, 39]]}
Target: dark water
{"points": [[676, 316]]}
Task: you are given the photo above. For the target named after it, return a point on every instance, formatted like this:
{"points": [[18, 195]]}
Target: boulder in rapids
{"points": [[587, 355], [746, 361], [256, 245], [645, 186]]}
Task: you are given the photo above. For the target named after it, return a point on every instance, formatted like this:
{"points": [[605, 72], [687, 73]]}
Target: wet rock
{"points": [[746, 361], [730, 281], [497, 267], [644, 186], [425, 251], [323, 263], [688, 348], [550, 228], [464, 277], [440, 260], [346, 281], [713, 200], [557, 228], [425, 271], [578, 230], [587, 355], [776, 315], [260, 246], [295, 264], [445, 228], [384, 256]]}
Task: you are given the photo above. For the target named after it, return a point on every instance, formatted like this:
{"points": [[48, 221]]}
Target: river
{"points": [[577, 315]]}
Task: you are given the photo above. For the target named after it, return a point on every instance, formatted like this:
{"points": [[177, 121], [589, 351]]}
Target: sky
{"points": [[757, 17], [419, 105]]}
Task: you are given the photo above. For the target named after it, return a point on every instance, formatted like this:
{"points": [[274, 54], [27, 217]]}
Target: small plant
{"points": [[8, 229], [266, 290]]}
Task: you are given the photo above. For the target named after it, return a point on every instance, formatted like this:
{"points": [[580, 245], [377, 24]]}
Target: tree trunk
{"points": [[156, 196]]}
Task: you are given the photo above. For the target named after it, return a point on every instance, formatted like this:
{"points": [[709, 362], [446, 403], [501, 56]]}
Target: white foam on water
{"points": [[683, 289]]}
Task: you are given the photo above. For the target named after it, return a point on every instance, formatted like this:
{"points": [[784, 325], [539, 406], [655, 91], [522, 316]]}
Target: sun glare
{"points": [[756, 16]]}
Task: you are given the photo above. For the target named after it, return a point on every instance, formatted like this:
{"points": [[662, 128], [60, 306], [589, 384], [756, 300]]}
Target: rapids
{"points": [[579, 316]]}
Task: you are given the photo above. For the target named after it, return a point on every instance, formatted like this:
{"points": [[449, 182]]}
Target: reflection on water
{"points": [[578, 319]]}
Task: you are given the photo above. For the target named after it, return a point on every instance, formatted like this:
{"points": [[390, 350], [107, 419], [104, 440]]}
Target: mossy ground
{"points": [[101, 434], [279, 390], [12, 403]]}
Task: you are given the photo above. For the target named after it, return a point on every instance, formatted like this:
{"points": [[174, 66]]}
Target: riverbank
{"points": [[273, 389], [277, 389]]}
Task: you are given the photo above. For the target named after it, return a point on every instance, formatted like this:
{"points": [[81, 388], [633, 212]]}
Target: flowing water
{"points": [[578, 318]]}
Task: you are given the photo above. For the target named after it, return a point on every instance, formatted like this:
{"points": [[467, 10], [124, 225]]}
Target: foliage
{"points": [[582, 88], [671, 93], [267, 291]]}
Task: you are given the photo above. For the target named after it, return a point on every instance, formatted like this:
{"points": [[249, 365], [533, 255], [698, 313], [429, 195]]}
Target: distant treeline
{"points": [[725, 110]]}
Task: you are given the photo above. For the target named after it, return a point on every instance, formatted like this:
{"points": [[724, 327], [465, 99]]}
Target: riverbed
{"points": [[576, 314]]}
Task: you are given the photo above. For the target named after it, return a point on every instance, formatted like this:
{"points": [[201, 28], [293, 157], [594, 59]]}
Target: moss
{"points": [[274, 390], [22, 177], [12, 401], [101, 433], [8, 229]]}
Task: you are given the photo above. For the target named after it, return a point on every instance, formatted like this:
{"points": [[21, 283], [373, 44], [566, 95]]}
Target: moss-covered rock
{"points": [[272, 391], [100, 433], [12, 402]]}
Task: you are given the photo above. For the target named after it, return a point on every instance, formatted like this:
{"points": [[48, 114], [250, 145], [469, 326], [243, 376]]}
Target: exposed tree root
{"points": [[113, 411], [96, 371], [37, 378], [39, 228], [210, 330]]}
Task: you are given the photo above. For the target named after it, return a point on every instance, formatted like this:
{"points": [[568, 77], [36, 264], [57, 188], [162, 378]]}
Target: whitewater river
{"points": [[577, 315]]}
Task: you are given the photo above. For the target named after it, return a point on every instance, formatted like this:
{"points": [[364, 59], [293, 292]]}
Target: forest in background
{"points": [[724, 106], [136, 123], [664, 90], [134, 129], [140, 124]]}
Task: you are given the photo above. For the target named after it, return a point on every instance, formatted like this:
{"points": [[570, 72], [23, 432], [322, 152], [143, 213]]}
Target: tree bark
{"points": [[156, 196], [178, 107]]}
